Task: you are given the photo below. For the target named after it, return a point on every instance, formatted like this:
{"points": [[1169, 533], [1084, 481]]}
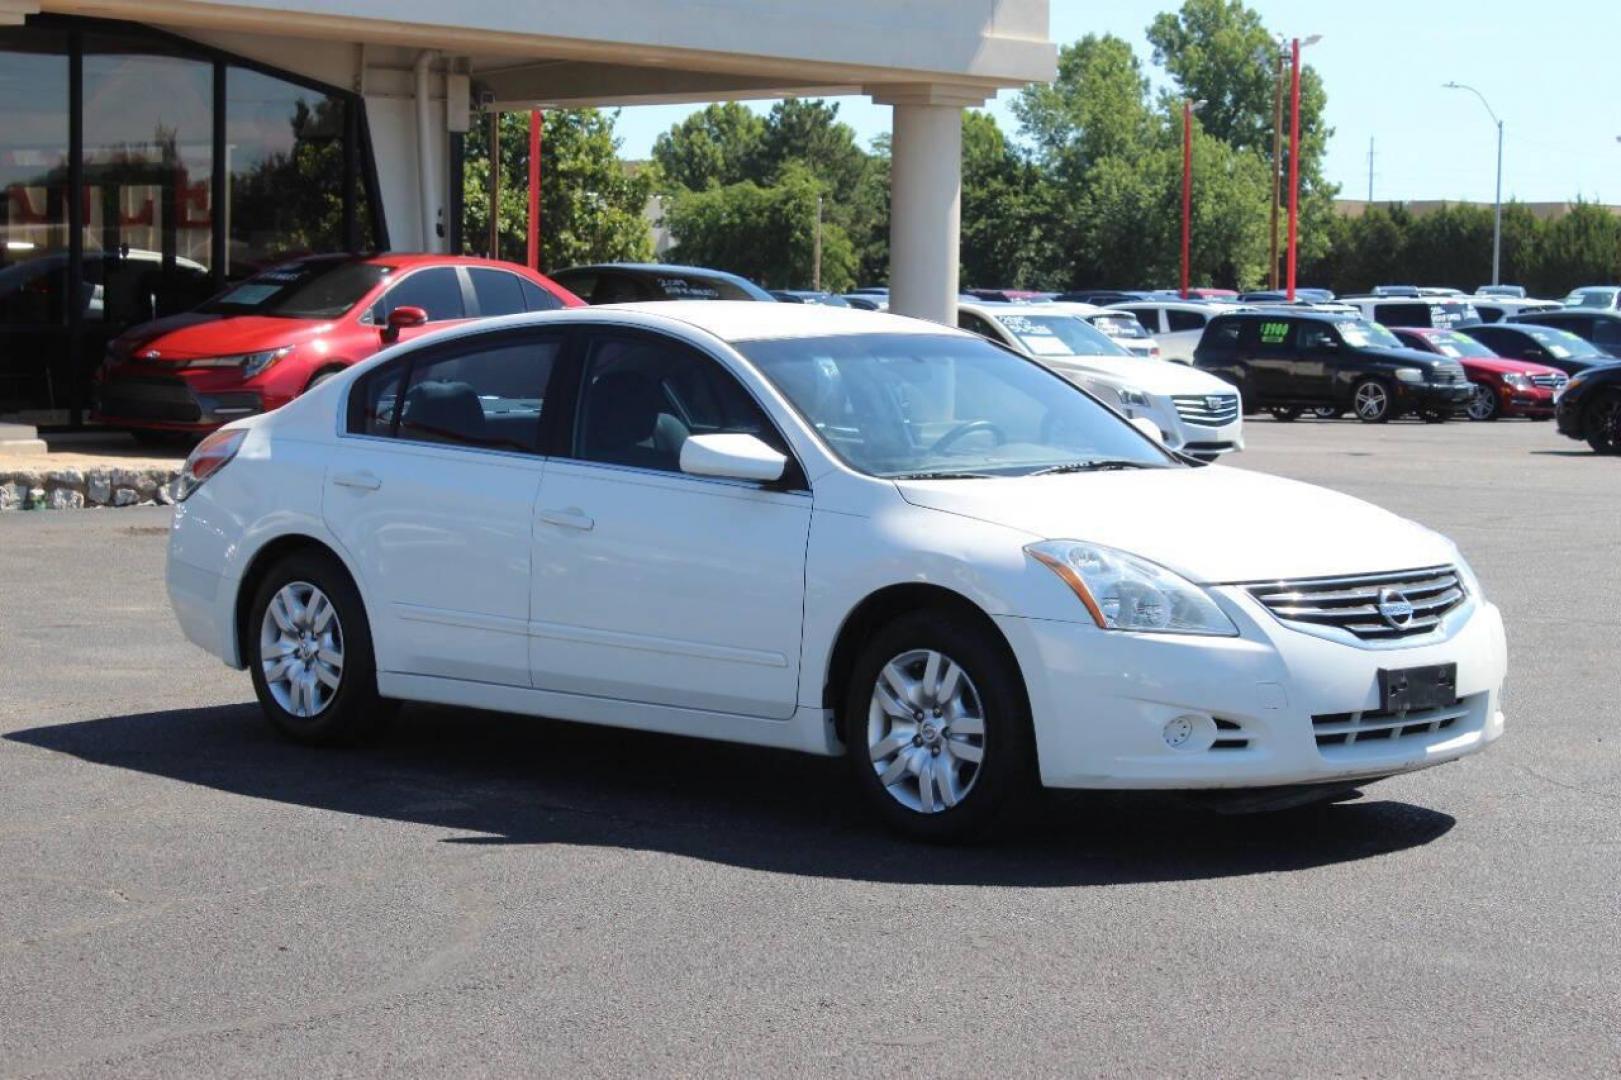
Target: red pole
{"points": [[1187, 190], [535, 120], [1294, 162]]}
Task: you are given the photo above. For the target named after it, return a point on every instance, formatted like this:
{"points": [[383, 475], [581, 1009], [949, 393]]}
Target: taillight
{"points": [[211, 455]]}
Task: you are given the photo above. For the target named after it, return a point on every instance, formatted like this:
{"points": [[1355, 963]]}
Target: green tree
{"points": [[1096, 108], [591, 206], [1582, 247], [716, 146], [766, 234], [1002, 215]]}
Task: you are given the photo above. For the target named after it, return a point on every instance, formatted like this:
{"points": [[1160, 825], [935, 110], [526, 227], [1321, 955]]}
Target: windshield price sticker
{"points": [[1024, 327]]}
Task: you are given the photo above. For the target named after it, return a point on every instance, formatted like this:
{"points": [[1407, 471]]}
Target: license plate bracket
{"points": [[1410, 689]]}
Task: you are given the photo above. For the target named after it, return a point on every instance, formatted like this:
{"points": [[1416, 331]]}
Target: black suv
{"points": [[1288, 362], [1590, 408]]}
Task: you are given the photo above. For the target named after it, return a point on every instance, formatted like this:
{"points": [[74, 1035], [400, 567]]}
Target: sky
{"points": [[1551, 74]]}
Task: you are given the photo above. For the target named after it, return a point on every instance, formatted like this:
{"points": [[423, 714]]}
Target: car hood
{"points": [[1150, 376], [1212, 524], [193, 335], [1504, 366]]}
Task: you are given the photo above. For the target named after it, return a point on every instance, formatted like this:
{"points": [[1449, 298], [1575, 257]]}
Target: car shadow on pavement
{"points": [[493, 779]]}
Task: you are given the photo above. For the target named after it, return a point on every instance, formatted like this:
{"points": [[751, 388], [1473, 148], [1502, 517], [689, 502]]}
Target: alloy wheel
{"points": [[1372, 401], [1482, 403], [1604, 424], [301, 649], [926, 731]]}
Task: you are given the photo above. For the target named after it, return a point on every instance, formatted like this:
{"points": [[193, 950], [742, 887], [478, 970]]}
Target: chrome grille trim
{"points": [[1197, 408], [1351, 603], [1550, 382]]}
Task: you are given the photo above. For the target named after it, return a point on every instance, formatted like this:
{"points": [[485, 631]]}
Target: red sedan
{"points": [[267, 339], [1503, 387]]}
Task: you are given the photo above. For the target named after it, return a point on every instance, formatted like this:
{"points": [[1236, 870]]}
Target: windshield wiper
{"points": [[1093, 465], [942, 475]]}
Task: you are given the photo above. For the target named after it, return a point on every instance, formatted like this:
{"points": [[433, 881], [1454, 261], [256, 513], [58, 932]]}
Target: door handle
{"points": [[568, 519], [363, 481]]}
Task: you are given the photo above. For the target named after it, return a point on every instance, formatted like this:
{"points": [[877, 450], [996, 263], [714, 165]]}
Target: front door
{"points": [[651, 585], [433, 497]]}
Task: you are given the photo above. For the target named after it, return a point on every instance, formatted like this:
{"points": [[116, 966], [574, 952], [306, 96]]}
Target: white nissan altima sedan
{"points": [[835, 531]]}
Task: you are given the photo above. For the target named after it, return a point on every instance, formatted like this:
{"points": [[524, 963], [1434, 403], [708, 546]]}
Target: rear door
{"points": [[1270, 346], [433, 494]]}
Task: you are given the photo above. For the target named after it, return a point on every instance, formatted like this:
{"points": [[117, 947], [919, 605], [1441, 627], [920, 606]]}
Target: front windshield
{"points": [[1362, 334], [917, 405], [1563, 345], [1457, 345], [1059, 335], [1600, 298], [319, 289]]}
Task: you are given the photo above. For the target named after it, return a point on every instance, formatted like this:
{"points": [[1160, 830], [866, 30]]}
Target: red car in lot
{"points": [[1503, 387], [267, 339]]}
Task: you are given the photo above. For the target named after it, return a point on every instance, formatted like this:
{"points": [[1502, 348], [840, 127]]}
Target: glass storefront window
{"points": [[284, 171], [33, 212], [148, 167]]}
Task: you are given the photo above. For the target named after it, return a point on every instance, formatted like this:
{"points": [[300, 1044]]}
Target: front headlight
{"points": [[250, 363], [1124, 592], [1517, 380], [1410, 374], [1128, 396]]}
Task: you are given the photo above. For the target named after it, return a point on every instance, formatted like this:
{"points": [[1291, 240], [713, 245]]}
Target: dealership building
{"points": [[153, 150]]}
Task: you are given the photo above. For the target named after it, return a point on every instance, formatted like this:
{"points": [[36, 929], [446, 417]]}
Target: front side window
{"points": [[1361, 334], [1059, 335], [1562, 345], [1122, 327], [437, 291], [1457, 345], [641, 397], [910, 405]]}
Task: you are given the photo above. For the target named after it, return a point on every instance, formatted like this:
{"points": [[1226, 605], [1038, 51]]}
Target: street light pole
{"points": [[1497, 212], [1188, 109]]}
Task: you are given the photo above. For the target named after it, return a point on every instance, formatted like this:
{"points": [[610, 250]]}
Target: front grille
{"points": [[1370, 606], [1375, 726], [1550, 381], [137, 397], [1209, 410], [1450, 374]]}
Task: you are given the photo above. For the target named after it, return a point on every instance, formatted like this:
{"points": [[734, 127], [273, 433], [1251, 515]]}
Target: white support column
{"points": [[925, 221]]}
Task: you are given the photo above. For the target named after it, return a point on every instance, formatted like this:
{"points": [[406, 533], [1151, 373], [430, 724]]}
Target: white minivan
{"points": [[1195, 412]]}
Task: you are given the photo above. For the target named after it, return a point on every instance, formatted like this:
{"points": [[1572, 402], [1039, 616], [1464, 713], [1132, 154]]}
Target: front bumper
{"points": [[1265, 709], [1448, 397], [170, 402], [1535, 401]]}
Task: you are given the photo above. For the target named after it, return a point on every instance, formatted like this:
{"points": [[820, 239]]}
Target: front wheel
{"points": [[310, 652], [1603, 424], [1328, 412], [1371, 400], [936, 727], [1483, 403]]}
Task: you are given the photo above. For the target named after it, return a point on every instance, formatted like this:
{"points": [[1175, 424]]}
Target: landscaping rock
{"points": [[65, 478], [66, 499], [98, 487], [166, 494], [126, 497], [12, 495]]}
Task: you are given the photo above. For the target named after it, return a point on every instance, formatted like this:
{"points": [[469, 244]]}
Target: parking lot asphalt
{"points": [[183, 894]]}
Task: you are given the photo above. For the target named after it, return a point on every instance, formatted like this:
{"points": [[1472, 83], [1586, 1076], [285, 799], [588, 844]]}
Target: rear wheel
{"points": [[1371, 400], [936, 727], [1285, 413], [1603, 424], [1328, 412], [1483, 403], [309, 651]]}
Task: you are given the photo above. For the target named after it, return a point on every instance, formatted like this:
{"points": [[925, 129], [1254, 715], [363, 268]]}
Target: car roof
{"points": [[1291, 313], [657, 268], [990, 309], [748, 320]]}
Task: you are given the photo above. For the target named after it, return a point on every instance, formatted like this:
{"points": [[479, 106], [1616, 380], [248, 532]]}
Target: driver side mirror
{"points": [[402, 318], [734, 456], [1149, 428]]}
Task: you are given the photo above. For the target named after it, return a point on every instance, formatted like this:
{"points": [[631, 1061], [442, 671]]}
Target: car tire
{"points": [[989, 759], [1435, 416], [1372, 402], [1328, 412], [310, 656], [1483, 404], [1601, 424], [321, 377], [1286, 414]]}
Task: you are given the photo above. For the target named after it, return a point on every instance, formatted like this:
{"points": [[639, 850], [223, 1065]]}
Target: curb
{"points": [[79, 489]]}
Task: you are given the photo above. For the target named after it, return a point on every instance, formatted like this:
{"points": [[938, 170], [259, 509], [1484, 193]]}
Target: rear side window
{"points": [[374, 402], [437, 290], [1270, 336], [497, 292], [1607, 336], [486, 397], [1184, 320], [537, 299], [1221, 334], [1410, 314]]}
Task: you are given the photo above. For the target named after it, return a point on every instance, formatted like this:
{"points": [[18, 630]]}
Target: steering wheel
{"points": [[967, 427]]}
